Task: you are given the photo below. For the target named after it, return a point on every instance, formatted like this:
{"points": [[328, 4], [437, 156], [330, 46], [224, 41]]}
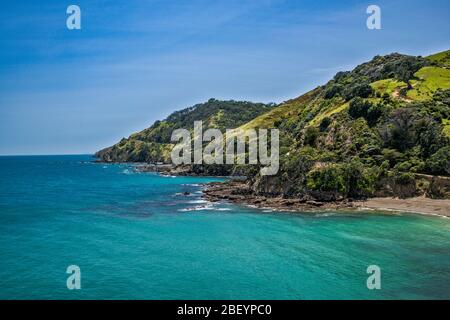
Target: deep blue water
{"points": [[135, 236]]}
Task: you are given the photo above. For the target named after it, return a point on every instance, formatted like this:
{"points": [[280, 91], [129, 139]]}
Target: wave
{"points": [[196, 208], [209, 207], [325, 214], [198, 201], [192, 184]]}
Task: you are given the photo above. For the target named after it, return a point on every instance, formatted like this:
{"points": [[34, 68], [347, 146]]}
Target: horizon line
{"points": [[47, 155]]}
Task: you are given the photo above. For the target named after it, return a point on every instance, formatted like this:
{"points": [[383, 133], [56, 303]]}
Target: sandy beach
{"points": [[414, 205], [238, 192]]}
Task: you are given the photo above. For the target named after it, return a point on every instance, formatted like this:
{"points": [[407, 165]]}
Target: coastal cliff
{"points": [[382, 129]]}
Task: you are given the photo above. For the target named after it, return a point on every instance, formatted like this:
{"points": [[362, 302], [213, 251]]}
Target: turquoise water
{"points": [[135, 236]]}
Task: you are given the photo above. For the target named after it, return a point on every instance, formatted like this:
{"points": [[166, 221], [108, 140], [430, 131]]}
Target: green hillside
{"points": [[441, 59], [385, 121], [153, 144], [381, 129]]}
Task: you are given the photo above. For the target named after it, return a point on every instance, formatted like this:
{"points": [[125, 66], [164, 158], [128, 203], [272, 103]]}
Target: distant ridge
{"points": [[153, 144]]}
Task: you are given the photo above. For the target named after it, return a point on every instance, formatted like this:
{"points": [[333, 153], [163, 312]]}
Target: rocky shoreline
{"points": [[238, 192]]}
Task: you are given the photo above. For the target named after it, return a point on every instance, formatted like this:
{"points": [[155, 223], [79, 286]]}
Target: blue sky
{"points": [[133, 62]]}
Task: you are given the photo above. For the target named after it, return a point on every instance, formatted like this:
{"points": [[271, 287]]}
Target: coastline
{"points": [[139, 213], [239, 193]]}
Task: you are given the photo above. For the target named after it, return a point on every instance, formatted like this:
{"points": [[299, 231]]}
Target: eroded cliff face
{"points": [[435, 187], [416, 185]]}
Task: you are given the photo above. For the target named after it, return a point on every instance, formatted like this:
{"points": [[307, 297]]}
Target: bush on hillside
{"points": [[330, 179], [439, 163], [352, 179], [333, 91], [362, 90], [311, 135], [359, 108], [324, 124]]}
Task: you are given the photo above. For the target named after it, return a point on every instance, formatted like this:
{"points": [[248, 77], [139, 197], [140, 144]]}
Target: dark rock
{"points": [[314, 203]]}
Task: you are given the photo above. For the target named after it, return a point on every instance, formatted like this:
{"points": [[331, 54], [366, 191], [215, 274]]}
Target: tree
{"points": [[333, 91], [311, 135], [429, 136], [362, 90], [360, 180], [401, 129], [439, 163], [374, 113], [358, 108], [324, 124]]}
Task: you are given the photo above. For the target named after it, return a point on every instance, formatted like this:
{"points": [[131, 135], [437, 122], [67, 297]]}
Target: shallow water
{"points": [[135, 235]]}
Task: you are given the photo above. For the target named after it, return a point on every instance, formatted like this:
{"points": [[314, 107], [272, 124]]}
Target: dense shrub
{"points": [[324, 124], [359, 108], [341, 76], [404, 178], [409, 127], [350, 180], [362, 90], [413, 165], [311, 135], [293, 169], [392, 156], [401, 67], [360, 180], [439, 163], [429, 136], [374, 113], [332, 91], [400, 132], [330, 178]]}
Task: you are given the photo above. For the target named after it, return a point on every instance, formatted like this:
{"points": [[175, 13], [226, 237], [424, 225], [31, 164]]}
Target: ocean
{"points": [[138, 236]]}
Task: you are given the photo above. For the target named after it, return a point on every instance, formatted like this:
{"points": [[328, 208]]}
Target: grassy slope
{"points": [[429, 79], [388, 86], [291, 108], [441, 58], [301, 113]]}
